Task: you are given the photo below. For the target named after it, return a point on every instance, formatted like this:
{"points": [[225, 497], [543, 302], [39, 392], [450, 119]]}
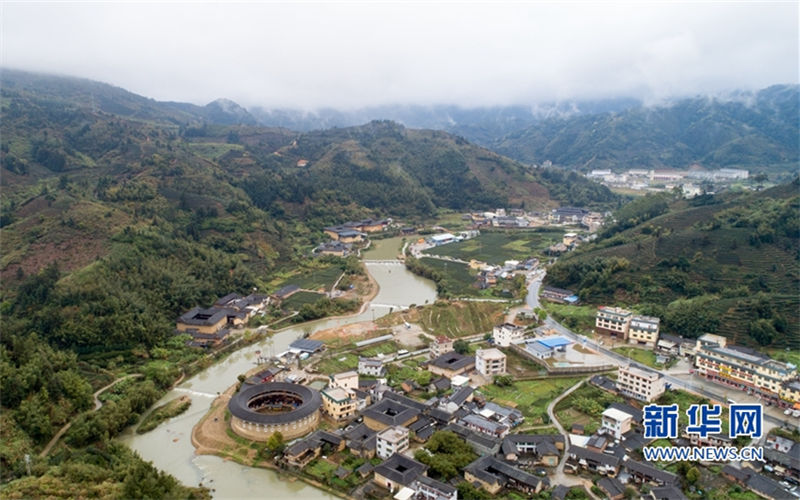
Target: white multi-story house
{"points": [[616, 422], [506, 334], [371, 367], [392, 440]]}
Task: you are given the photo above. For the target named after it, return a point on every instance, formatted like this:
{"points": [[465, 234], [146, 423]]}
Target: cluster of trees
{"points": [[445, 454], [593, 277], [571, 188], [637, 212], [326, 307], [104, 470]]}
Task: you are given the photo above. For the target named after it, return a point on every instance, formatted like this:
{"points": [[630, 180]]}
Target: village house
{"points": [[559, 295], [506, 334], [344, 234], [489, 362], [643, 330], [362, 441], [742, 368], [431, 489], [613, 321], [304, 451], [451, 364], [755, 482], [482, 424], [336, 248], [389, 413], [612, 487], [285, 292], [338, 403], [645, 473], [493, 475], [398, 471], [371, 367], [640, 384], [616, 422], [392, 440], [607, 465], [542, 448], [202, 320], [346, 380], [440, 345]]}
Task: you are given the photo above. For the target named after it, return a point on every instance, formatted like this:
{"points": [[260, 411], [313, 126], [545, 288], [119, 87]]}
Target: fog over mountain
{"points": [[359, 55]]}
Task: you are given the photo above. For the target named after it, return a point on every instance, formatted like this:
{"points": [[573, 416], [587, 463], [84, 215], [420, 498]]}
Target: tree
{"points": [[445, 453], [275, 444], [468, 492], [692, 475], [461, 346], [503, 380]]}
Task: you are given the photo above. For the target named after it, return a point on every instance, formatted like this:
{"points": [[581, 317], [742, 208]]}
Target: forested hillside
{"points": [[727, 264], [757, 132], [119, 212]]}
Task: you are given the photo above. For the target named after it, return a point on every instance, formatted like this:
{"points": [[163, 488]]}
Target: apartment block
{"points": [[742, 368]]}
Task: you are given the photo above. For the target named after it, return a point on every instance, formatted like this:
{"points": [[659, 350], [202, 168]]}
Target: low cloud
{"points": [[350, 55]]}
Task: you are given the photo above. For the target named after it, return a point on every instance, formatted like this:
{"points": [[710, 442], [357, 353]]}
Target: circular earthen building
{"points": [[258, 411]]}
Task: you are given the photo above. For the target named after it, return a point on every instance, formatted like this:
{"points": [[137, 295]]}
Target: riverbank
{"points": [[170, 446], [212, 435]]}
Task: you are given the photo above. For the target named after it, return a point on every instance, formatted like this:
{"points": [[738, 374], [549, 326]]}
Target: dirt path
{"points": [[97, 405], [559, 477]]}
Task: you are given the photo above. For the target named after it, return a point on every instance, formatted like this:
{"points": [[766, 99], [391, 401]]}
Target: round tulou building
{"points": [[258, 411]]}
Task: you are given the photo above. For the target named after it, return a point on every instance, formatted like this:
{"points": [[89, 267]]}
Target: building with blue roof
{"points": [[554, 342]]}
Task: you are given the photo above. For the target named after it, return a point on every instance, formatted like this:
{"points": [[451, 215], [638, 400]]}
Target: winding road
{"points": [[97, 405], [620, 360]]}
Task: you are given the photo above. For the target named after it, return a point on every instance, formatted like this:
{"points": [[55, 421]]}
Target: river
{"points": [[169, 446]]}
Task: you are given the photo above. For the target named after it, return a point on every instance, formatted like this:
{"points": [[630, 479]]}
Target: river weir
{"points": [[169, 446]]}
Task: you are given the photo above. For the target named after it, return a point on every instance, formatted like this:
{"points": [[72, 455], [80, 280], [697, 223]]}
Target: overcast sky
{"points": [[347, 55]]}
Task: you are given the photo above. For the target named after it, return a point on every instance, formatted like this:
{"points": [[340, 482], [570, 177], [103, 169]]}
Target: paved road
{"points": [[695, 384]]}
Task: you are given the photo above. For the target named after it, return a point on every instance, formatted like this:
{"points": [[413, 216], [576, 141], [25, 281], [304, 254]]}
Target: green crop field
{"points": [[313, 279], [459, 279], [299, 299], [531, 397], [584, 407], [497, 247]]}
